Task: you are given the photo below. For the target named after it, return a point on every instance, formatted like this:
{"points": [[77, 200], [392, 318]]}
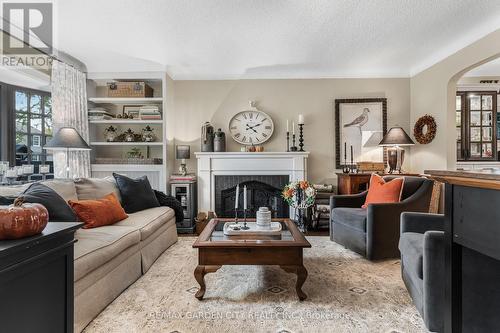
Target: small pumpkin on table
{"points": [[22, 219]]}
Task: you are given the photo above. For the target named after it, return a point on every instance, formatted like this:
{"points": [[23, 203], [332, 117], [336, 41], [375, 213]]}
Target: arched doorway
{"points": [[477, 122], [433, 92]]}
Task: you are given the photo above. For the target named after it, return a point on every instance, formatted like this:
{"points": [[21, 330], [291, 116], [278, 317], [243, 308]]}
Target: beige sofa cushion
{"points": [[65, 188], [96, 188], [148, 220], [13, 191], [97, 246]]}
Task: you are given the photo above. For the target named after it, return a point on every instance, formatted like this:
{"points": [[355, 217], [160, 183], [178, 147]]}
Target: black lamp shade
{"points": [[396, 137], [67, 138], [182, 152]]}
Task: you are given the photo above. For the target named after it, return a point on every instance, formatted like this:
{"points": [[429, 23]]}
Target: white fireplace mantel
{"points": [[245, 163]]}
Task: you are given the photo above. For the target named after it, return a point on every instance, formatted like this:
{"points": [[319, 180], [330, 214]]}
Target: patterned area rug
{"points": [[346, 293]]}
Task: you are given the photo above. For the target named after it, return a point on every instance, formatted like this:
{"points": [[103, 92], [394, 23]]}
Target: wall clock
{"points": [[251, 127]]}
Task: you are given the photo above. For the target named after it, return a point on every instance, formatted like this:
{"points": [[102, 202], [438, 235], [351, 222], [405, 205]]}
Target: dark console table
{"points": [[36, 281], [472, 253]]}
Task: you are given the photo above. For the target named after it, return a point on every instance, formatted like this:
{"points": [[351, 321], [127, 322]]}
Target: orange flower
{"points": [[288, 193], [304, 184]]}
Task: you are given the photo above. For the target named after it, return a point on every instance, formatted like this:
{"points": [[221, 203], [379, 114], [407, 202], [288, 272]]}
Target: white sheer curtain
{"points": [[69, 108]]}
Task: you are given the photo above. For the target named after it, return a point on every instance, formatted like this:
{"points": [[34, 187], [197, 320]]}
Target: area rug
{"points": [[346, 293]]}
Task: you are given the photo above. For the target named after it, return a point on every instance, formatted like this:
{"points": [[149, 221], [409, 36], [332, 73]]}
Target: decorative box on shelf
{"points": [[183, 188], [129, 89]]}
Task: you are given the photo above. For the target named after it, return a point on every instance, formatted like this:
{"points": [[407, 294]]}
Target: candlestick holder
{"points": [[236, 216], [293, 147], [346, 168], [287, 141], [301, 137], [245, 227]]}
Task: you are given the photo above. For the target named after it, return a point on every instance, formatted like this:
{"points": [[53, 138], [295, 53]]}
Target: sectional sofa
{"points": [[109, 259]]}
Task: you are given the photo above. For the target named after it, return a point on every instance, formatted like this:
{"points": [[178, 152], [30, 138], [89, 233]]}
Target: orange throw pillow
{"points": [[382, 192], [100, 212]]}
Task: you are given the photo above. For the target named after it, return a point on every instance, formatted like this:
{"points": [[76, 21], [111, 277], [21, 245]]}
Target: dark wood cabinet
{"points": [[476, 124], [36, 281], [472, 251], [352, 183]]}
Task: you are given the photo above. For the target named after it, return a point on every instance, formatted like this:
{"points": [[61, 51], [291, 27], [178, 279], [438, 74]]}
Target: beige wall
{"points": [[433, 92], [216, 101]]}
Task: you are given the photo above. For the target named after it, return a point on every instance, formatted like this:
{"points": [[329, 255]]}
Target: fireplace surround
{"points": [[292, 165]]}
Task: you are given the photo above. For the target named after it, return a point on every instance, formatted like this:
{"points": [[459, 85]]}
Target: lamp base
{"points": [[183, 169], [395, 159]]}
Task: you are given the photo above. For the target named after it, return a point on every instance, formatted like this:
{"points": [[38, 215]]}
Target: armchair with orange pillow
{"points": [[369, 223]]}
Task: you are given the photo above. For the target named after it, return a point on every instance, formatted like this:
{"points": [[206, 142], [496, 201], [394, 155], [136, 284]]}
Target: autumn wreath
{"points": [[428, 122]]}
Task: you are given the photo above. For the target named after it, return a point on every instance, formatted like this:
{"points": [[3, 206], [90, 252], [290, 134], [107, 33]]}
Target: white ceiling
{"points": [[224, 39]]}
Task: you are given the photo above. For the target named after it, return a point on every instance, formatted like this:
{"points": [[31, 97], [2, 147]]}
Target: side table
{"points": [[36, 281], [185, 192], [352, 183]]}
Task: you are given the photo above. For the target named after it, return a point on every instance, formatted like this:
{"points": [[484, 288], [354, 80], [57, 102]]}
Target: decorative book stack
{"points": [[180, 178], [150, 112]]}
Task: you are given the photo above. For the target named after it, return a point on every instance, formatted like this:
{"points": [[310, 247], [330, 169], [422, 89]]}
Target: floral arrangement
{"points": [[299, 194]]}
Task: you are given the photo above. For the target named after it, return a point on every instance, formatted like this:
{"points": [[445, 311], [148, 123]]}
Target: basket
{"points": [[371, 166], [129, 89]]}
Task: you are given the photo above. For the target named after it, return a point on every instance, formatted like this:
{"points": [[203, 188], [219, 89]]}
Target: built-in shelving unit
{"points": [[102, 150]]}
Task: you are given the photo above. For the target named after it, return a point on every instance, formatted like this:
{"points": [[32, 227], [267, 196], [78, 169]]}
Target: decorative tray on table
{"points": [[232, 228]]}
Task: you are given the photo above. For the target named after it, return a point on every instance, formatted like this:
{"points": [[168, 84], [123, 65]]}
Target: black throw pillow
{"points": [[170, 201], [5, 201], [136, 194], [59, 210]]}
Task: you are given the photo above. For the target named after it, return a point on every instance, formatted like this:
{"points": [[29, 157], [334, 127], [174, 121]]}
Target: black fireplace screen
{"points": [[262, 191]]}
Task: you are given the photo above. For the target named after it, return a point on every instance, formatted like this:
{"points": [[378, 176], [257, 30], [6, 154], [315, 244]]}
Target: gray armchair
{"points": [[374, 232], [422, 265]]}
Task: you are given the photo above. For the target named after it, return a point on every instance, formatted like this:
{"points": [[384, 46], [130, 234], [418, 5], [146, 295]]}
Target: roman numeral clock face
{"points": [[251, 127]]}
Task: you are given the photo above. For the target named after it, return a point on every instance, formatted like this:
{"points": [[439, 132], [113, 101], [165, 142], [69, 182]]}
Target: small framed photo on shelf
{"points": [[131, 111]]}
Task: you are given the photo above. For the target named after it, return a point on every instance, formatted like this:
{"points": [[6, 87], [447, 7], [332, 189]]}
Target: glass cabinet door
{"points": [[476, 125], [460, 105]]}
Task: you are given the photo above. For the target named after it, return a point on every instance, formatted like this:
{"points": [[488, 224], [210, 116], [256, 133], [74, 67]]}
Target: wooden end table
{"points": [[216, 249]]}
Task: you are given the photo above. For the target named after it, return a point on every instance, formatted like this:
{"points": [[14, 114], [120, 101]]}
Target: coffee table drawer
{"points": [[250, 256]]}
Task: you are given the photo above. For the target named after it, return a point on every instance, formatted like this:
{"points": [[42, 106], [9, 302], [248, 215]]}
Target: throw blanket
{"points": [[170, 201]]}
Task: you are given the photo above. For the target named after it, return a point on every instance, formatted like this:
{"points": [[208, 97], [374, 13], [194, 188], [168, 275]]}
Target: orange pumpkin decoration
{"points": [[22, 219]]}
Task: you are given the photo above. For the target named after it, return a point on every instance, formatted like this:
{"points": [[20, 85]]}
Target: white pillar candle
{"points": [[245, 197], [287, 126], [293, 127], [237, 195], [301, 119]]}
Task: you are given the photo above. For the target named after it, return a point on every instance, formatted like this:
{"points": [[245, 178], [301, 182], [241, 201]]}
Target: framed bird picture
{"points": [[360, 123]]}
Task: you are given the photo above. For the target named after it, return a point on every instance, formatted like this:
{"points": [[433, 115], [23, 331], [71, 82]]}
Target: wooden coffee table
{"points": [[216, 249]]}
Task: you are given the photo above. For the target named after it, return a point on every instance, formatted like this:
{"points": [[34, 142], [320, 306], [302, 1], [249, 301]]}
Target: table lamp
{"points": [[67, 138], [183, 153], [394, 140]]}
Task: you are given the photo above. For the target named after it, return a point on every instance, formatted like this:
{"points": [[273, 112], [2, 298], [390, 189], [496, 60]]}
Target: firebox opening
{"points": [[262, 191]]}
